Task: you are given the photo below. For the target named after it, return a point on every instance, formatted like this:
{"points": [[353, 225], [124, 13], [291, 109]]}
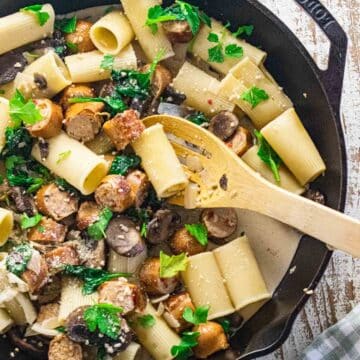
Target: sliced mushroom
{"points": [[115, 193], [220, 223], [161, 79], [73, 91], [224, 124], [51, 124], [24, 203], [87, 214], [139, 184], [151, 281], [173, 110], [108, 89], [178, 31], [241, 142], [47, 231], [162, 226], [212, 339], [11, 63], [81, 36], [183, 242], [123, 237], [172, 96], [315, 195], [83, 120]]}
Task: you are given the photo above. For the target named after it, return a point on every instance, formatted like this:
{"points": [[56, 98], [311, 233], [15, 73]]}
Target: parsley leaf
{"points": [[42, 16], [122, 163], [63, 156], [216, 54], [157, 14], [245, 29], [19, 257], [212, 37], [268, 155], [254, 96], [197, 317], [234, 51], [61, 329], [22, 111], [105, 318], [199, 232], [107, 62], [114, 103], [29, 222], [74, 48], [66, 25], [197, 118], [96, 231], [171, 265], [184, 350], [92, 278], [146, 321]]}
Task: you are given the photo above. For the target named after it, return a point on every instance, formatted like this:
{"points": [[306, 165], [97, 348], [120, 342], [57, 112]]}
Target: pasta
{"points": [[90, 168], [287, 180], [112, 33], [5, 120], [204, 282], [201, 46], [202, 90], [297, 151], [158, 339], [132, 352], [159, 160], [86, 67], [240, 270], [152, 44], [6, 225], [118, 263], [52, 69], [6, 321], [22, 28], [20, 308]]}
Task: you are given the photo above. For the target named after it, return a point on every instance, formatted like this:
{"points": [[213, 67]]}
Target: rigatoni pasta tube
{"points": [[202, 45], [287, 180], [152, 44], [288, 137], [20, 308], [201, 90], [112, 33], [241, 272], [52, 69], [22, 28], [205, 284], [159, 161], [4, 122], [5, 321], [158, 339], [6, 225], [73, 162], [86, 67], [132, 352]]}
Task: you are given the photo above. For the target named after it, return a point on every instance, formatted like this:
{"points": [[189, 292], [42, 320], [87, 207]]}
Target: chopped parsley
{"points": [[197, 317], [146, 321], [66, 25], [19, 257], [123, 163], [199, 232], [97, 230], [254, 96], [170, 266], [198, 118], [74, 48], [244, 30], [63, 156], [184, 350], [27, 222], [42, 16], [107, 62], [268, 155], [92, 278]]}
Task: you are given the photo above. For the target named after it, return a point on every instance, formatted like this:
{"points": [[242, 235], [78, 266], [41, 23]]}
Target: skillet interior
{"points": [[293, 68]]}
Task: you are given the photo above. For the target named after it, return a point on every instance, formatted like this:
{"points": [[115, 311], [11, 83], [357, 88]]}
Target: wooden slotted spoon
{"points": [[226, 181]]}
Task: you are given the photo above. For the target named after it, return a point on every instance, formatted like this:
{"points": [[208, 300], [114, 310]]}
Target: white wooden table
{"points": [[339, 290]]}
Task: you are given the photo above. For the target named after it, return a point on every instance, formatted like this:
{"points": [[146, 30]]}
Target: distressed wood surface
{"points": [[339, 290]]}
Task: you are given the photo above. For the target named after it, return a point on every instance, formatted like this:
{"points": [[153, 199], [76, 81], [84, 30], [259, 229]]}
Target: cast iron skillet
{"points": [[292, 66]]}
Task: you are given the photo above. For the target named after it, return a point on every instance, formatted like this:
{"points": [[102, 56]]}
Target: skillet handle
{"points": [[333, 77]]}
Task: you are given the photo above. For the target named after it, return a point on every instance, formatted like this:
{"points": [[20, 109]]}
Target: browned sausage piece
{"points": [[174, 309], [139, 184], [51, 124], [115, 193], [224, 124], [88, 213], [53, 202], [62, 348], [124, 238], [151, 281], [91, 253], [121, 293], [83, 120], [124, 128], [36, 279], [178, 31], [220, 223], [211, 340], [161, 79], [81, 36], [75, 90], [62, 255], [51, 291], [183, 242], [48, 311], [241, 142], [47, 231]]}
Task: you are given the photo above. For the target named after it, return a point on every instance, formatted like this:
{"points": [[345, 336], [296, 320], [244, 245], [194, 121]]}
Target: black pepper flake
{"points": [[40, 81], [224, 182]]}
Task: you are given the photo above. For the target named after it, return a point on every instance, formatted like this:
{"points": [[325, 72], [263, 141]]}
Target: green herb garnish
{"points": [[42, 16], [63, 156], [139, 215], [92, 278], [61, 329], [268, 155], [123, 163], [104, 318], [184, 350], [97, 230], [17, 142], [197, 317], [107, 62], [198, 118], [17, 260], [74, 48], [171, 265], [254, 96], [40, 229], [199, 232], [66, 25], [146, 321], [225, 323], [65, 186], [30, 222], [244, 30]]}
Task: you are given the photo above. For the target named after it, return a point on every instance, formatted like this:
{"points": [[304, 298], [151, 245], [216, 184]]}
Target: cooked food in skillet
{"points": [[95, 261]]}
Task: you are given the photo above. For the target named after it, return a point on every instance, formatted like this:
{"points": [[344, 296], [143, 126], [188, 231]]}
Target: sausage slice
{"points": [[241, 142], [183, 242], [47, 231], [139, 184], [36, 279], [161, 79], [62, 348], [178, 31], [224, 124], [88, 213], [81, 36], [62, 255], [75, 90]]}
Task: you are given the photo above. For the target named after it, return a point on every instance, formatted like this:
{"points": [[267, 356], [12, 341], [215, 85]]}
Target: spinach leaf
{"points": [[96, 231], [123, 163]]}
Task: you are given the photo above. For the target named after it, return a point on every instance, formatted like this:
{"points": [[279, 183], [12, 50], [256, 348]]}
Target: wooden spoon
{"points": [[226, 181]]}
